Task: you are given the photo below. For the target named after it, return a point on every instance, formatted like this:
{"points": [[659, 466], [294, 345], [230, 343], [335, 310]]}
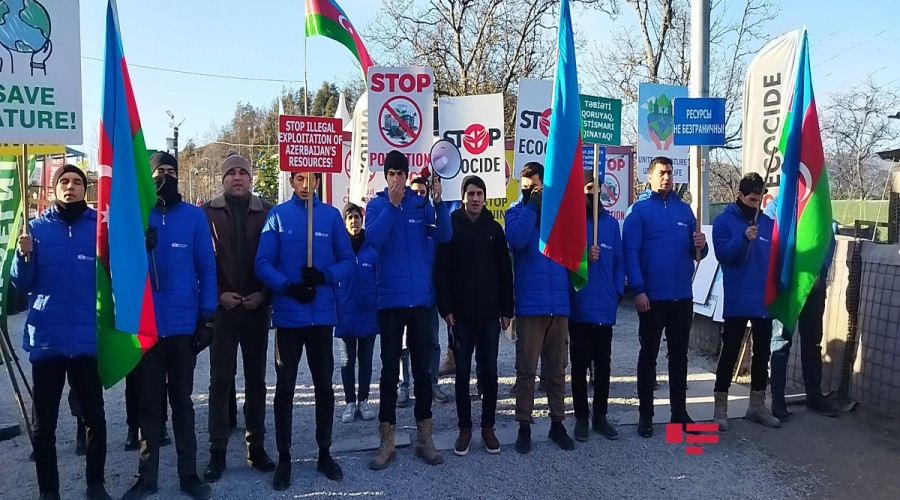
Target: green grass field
{"points": [[847, 211]]}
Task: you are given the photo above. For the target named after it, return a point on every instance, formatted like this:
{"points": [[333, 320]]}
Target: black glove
{"points": [[302, 292], [312, 276], [203, 335], [536, 198], [150, 238]]}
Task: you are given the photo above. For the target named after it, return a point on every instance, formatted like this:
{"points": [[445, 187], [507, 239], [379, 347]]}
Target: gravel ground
{"points": [[629, 468]]}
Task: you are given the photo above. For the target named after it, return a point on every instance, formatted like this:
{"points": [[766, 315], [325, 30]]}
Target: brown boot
{"points": [[386, 451], [461, 448], [448, 367], [720, 410], [491, 443], [757, 412], [425, 445]]}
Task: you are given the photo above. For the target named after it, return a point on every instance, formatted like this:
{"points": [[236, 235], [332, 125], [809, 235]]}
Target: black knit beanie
{"points": [[397, 161], [163, 158], [66, 169], [473, 179]]}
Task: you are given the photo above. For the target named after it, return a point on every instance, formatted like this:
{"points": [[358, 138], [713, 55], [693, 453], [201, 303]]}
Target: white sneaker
{"points": [[366, 411], [349, 413]]}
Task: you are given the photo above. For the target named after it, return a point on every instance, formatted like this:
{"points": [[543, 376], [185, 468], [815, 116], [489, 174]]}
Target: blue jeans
{"points": [[353, 350], [482, 338], [811, 331]]}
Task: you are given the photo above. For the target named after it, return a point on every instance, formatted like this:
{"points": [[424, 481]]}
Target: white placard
{"points": [[656, 129], [475, 125], [401, 115], [532, 122]]}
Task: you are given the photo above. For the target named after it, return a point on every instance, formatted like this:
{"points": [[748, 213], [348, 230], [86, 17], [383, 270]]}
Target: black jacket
{"points": [[473, 272]]}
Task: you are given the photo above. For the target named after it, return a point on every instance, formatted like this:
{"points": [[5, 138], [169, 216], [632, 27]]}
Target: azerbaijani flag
{"points": [[803, 232], [327, 18], [126, 321], [563, 217]]}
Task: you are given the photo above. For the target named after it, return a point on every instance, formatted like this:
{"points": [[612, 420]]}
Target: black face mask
{"points": [[70, 212], [167, 190], [748, 212], [526, 195]]}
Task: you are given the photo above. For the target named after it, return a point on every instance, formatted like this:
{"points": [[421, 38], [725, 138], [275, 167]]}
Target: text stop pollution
{"points": [[309, 144]]}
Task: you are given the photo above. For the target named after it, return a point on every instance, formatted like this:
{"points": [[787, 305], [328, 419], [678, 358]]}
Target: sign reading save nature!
{"points": [[40, 72]]}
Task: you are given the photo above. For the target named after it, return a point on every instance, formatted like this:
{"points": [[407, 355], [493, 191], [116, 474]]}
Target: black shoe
{"points": [[196, 488], [80, 439], [216, 466], [559, 436], [684, 419], [820, 405], [259, 460], [523, 442], [96, 492], [779, 407], [327, 466], [603, 427], [581, 431], [140, 490], [164, 439], [132, 442], [645, 426], [282, 479], [50, 496]]}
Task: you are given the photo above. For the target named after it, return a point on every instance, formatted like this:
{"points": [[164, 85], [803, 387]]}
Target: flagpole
{"points": [[23, 187], [596, 190], [765, 184], [309, 175]]}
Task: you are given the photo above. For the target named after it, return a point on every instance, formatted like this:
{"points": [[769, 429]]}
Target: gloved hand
{"points": [[312, 276], [536, 196], [301, 292], [150, 238], [203, 335]]}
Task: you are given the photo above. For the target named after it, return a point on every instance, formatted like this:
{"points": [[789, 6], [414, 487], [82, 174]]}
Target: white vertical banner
{"points": [[359, 173], [532, 122], [475, 125], [767, 96]]}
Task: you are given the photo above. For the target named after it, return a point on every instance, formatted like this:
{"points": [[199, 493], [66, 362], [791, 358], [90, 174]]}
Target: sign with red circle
{"points": [[476, 139], [544, 122], [610, 191], [400, 121]]}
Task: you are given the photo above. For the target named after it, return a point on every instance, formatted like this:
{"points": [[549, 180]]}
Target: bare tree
{"points": [[474, 46], [855, 126]]}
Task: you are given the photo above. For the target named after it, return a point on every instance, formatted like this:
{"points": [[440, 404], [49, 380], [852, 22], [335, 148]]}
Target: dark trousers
{"points": [[133, 401], [172, 360], [351, 350], [482, 338], [49, 378], [588, 344], [250, 331], [732, 339], [289, 344], [673, 316], [418, 339], [811, 330]]}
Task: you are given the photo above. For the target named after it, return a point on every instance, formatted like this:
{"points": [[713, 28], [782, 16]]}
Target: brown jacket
{"points": [[222, 230]]}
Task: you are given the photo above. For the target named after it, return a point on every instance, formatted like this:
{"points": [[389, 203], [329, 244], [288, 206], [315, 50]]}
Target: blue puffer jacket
{"points": [[743, 274], [184, 276], [598, 301], [658, 237], [400, 236], [541, 285], [61, 275], [282, 255], [356, 305]]}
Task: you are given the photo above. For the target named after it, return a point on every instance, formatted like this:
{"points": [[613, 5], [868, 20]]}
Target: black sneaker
{"points": [[645, 426], [196, 488], [96, 492], [80, 439], [779, 407], [216, 466], [581, 429], [820, 405], [329, 468], [523, 441], [50, 496], [282, 479], [132, 442], [140, 490], [684, 419], [259, 460], [164, 439], [559, 436], [603, 427]]}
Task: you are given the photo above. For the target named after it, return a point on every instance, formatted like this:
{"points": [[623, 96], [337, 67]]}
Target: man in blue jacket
{"points": [[811, 329], [304, 311], [594, 310], [183, 278], [61, 330], [541, 289], [741, 239], [398, 225], [660, 241]]}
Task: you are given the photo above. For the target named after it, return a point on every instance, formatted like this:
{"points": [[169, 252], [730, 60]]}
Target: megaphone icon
{"points": [[446, 159]]}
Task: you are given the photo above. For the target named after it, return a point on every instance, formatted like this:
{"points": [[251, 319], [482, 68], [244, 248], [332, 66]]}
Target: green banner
{"points": [[601, 120], [10, 221]]}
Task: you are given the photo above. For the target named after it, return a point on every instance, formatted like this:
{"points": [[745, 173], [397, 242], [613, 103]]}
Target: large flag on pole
{"points": [[563, 217], [126, 321], [803, 233], [327, 18]]}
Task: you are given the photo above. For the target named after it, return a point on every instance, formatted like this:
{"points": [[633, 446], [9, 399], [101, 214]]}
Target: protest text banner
{"points": [[310, 144]]}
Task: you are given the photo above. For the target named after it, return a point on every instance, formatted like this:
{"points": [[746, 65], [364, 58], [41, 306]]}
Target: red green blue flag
{"points": [[803, 232], [563, 216], [126, 321], [327, 18]]}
